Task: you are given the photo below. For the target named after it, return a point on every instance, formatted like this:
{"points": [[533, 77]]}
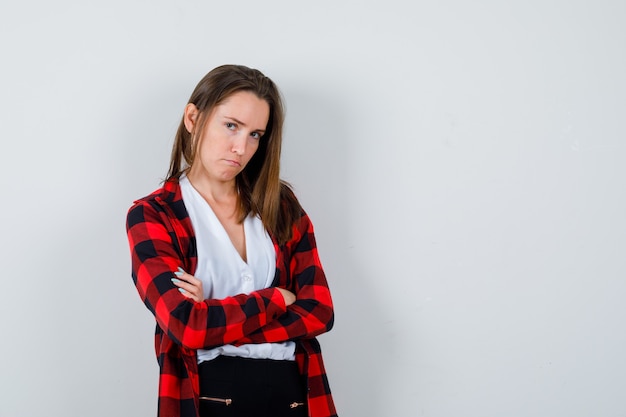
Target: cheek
{"points": [[253, 145]]}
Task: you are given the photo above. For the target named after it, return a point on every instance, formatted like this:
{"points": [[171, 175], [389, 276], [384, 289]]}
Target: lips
{"points": [[232, 162]]}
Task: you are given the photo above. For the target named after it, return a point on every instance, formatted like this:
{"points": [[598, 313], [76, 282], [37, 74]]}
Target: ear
{"points": [[190, 116]]}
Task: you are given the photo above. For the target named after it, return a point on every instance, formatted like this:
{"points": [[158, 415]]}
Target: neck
{"points": [[215, 192]]}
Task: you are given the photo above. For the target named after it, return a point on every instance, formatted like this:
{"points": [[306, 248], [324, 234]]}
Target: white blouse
{"points": [[224, 273]]}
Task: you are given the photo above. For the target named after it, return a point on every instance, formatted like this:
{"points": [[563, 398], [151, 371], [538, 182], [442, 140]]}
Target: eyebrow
{"points": [[242, 123]]}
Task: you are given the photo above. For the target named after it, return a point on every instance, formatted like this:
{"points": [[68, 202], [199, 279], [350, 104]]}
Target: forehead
{"points": [[245, 106]]}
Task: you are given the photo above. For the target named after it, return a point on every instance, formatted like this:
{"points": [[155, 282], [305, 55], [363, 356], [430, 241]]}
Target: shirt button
{"points": [[247, 277]]}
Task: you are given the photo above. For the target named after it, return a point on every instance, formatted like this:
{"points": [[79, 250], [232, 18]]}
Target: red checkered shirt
{"points": [[161, 239]]}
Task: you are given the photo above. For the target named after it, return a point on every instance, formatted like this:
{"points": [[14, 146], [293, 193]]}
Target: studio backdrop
{"points": [[462, 162]]}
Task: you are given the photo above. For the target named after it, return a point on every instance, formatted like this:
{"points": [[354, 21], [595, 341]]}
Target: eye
{"points": [[230, 126], [256, 135]]}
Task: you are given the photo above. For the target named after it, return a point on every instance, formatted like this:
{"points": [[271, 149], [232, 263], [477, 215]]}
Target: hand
{"points": [[188, 285], [289, 297]]}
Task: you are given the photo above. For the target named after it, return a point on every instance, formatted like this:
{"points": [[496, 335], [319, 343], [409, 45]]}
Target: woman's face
{"points": [[230, 138]]}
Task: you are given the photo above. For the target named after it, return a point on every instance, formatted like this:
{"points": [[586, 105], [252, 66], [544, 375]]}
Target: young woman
{"points": [[225, 258]]}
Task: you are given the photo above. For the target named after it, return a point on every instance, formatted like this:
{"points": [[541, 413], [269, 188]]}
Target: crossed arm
{"points": [[269, 315]]}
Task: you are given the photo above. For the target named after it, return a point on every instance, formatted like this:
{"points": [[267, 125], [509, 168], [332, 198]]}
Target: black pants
{"points": [[243, 387]]}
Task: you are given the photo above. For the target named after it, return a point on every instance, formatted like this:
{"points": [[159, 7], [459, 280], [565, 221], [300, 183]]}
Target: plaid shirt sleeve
{"points": [[300, 270], [156, 254]]}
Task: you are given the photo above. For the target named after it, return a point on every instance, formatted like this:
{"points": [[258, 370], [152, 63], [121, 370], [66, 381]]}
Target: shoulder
{"points": [[167, 199], [301, 225], [169, 192]]}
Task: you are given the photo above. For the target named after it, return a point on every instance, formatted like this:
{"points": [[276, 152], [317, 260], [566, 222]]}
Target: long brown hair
{"points": [[261, 191]]}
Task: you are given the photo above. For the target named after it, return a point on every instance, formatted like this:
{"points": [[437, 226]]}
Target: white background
{"points": [[463, 163]]}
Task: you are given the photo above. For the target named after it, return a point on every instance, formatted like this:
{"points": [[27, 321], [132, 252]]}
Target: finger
{"points": [[187, 286], [181, 274], [188, 290], [191, 279], [182, 290]]}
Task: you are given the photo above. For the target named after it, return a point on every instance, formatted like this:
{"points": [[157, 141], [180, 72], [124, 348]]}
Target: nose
{"points": [[239, 144]]}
